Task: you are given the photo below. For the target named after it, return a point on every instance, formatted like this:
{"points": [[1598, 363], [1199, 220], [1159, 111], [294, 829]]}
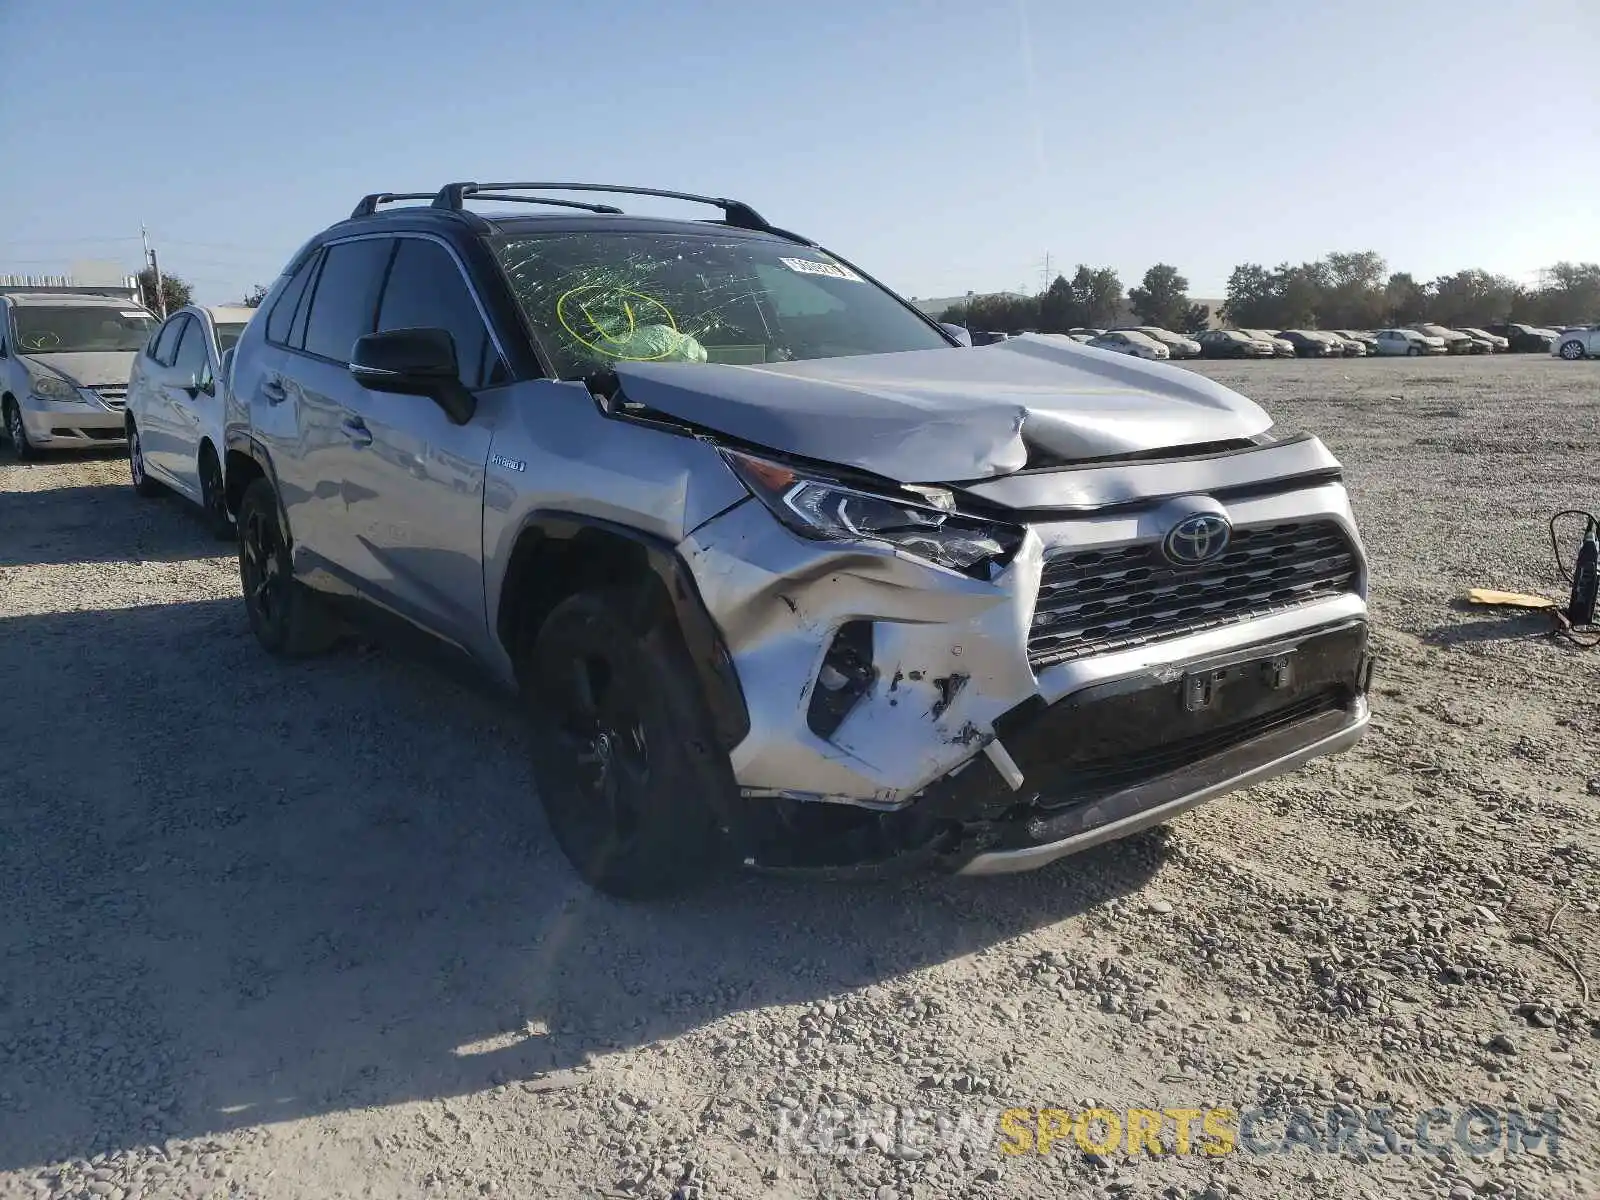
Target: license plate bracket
{"points": [[1201, 690]]}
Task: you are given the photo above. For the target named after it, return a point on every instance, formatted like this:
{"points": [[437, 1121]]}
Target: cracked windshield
{"points": [[633, 297]]}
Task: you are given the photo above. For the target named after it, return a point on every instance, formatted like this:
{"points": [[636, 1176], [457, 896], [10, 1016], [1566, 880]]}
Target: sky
{"points": [[943, 145]]}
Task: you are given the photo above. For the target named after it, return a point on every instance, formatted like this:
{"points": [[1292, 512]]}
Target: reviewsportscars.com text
{"points": [[1476, 1131]]}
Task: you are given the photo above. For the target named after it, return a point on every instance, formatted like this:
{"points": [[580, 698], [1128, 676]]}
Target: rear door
{"points": [[181, 395], [424, 527], [160, 441], [146, 398], [321, 465]]}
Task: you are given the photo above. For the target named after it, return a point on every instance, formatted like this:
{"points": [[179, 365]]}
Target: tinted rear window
{"points": [[345, 303]]}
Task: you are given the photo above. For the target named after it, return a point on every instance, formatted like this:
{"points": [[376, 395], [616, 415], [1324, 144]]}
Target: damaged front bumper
{"points": [[898, 710]]}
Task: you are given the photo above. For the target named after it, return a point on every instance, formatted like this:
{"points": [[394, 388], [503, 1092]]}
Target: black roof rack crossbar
{"points": [[734, 212], [369, 203], [609, 209]]}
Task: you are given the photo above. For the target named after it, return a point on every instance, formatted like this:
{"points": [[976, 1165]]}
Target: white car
{"points": [[1497, 344], [1573, 344], [64, 362], [1177, 344], [1454, 342], [1409, 341], [1129, 341], [174, 418]]}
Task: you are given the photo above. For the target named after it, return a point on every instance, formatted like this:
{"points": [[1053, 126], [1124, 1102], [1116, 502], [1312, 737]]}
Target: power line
{"points": [[79, 241], [215, 245]]}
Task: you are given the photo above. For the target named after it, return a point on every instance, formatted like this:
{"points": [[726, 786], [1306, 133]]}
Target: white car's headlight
{"points": [[827, 510], [49, 387]]}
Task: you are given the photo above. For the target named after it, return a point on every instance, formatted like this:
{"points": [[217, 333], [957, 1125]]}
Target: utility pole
{"points": [[1047, 275], [155, 267]]}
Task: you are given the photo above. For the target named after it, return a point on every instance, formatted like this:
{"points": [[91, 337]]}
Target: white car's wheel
{"points": [[143, 485], [213, 497], [17, 433], [1572, 351]]}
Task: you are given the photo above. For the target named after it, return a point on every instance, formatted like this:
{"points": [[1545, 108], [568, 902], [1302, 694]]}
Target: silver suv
{"points": [[782, 572]]}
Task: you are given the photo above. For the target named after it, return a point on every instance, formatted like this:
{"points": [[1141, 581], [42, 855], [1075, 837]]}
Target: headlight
{"points": [[827, 510], [49, 387]]}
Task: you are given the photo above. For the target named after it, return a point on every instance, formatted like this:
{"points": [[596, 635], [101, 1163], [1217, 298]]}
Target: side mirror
{"points": [[959, 332], [414, 362]]}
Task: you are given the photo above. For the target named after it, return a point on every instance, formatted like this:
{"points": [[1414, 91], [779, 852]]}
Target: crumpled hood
{"points": [[945, 416], [88, 368]]}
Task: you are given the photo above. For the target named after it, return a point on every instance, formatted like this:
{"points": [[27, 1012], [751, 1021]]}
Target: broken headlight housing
{"points": [[928, 527]]}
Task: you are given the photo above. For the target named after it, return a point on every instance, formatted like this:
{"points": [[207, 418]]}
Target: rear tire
{"points": [[213, 498], [143, 485], [17, 434], [286, 617], [628, 768]]}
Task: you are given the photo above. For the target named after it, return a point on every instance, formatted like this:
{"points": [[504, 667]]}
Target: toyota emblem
{"points": [[1197, 539]]}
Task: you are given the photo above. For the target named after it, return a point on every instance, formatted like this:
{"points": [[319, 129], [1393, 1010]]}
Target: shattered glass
{"points": [[594, 299]]}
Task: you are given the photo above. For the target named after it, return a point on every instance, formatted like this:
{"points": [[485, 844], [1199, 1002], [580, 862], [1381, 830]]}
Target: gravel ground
{"points": [[265, 935]]}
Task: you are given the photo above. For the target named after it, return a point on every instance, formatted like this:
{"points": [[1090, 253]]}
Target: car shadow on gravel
{"points": [[100, 523], [240, 891], [1502, 625]]}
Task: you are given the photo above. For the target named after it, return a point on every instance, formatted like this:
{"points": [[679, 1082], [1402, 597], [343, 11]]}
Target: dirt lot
{"points": [[264, 933]]}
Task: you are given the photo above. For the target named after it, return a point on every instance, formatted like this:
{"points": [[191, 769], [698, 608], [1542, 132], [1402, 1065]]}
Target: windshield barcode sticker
{"points": [[832, 270]]}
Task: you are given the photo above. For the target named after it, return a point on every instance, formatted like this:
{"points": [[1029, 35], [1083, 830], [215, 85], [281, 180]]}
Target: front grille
{"points": [[1098, 601], [113, 396]]}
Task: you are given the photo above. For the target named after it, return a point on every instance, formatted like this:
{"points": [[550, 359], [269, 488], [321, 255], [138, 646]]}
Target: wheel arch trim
{"points": [[252, 448], [708, 651]]}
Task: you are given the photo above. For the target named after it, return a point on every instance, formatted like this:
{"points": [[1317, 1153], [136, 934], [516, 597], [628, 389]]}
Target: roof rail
{"points": [[609, 209], [735, 212], [369, 203]]}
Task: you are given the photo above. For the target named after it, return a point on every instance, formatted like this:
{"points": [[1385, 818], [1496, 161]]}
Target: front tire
{"points": [[143, 485], [17, 433], [1413, 352], [628, 767], [285, 615], [213, 497], [1572, 351]]}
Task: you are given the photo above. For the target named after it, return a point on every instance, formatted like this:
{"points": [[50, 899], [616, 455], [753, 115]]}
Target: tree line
{"points": [[1090, 299], [1354, 290]]}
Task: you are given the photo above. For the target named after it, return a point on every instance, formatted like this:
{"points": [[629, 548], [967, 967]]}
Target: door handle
{"points": [[272, 389], [356, 430]]}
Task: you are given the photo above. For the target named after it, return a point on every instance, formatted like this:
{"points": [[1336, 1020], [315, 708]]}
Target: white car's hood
{"points": [[945, 416], [89, 368]]}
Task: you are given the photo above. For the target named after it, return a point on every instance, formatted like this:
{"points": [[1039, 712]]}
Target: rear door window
{"points": [[344, 303]]}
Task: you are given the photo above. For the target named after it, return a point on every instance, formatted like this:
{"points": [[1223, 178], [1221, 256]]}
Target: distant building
{"points": [[125, 287]]}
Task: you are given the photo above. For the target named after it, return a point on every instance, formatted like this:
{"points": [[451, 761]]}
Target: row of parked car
{"points": [[1157, 344]]}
